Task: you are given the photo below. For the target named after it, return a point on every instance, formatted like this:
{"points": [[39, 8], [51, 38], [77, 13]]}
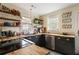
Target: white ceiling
{"points": [[42, 8]]}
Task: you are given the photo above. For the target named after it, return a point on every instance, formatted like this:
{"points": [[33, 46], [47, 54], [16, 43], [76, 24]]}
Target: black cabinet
{"points": [[65, 45], [41, 41], [38, 40], [33, 39]]}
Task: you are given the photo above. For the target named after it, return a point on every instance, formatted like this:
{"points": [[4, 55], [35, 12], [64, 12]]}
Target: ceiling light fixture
{"points": [[30, 11]]}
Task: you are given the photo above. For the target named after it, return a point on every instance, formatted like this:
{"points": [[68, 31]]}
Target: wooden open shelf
{"points": [[8, 19], [5, 9], [4, 38]]}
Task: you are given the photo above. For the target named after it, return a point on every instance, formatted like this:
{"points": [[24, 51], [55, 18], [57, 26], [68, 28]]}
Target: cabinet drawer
{"points": [[68, 39], [64, 40], [65, 50], [65, 45]]}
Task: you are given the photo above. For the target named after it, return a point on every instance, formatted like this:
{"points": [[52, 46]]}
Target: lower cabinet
{"points": [[41, 41], [33, 39], [65, 45], [38, 40]]}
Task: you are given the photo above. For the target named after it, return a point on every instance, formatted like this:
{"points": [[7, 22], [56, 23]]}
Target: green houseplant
{"points": [[36, 21]]}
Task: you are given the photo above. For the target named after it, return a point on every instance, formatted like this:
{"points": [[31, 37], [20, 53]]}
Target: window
{"points": [[52, 23], [26, 26]]}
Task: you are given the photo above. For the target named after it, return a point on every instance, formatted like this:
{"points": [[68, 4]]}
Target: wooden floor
{"points": [[30, 50]]}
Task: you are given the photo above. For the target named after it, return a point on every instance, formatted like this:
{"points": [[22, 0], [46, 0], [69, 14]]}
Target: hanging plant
{"points": [[36, 21]]}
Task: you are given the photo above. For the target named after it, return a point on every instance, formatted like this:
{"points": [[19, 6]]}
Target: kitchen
{"points": [[39, 28]]}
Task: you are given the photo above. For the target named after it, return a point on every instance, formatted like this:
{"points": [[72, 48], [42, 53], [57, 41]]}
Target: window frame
{"points": [[48, 18]]}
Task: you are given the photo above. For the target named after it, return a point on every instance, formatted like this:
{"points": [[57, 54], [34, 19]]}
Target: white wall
{"points": [[58, 13]]}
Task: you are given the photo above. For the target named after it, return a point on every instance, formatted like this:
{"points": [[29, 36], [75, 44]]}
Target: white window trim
{"points": [[48, 18]]}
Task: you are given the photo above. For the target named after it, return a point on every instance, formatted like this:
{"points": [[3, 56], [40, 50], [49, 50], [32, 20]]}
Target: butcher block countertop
{"points": [[11, 38], [21, 36], [53, 34], [72, 36], [30, 50]]}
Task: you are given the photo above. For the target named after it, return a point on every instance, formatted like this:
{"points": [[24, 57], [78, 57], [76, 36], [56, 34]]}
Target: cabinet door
{"points": [[65, 45], [41, 41], [58, 44], [36, 39], [69, 47], [33, 39]]}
